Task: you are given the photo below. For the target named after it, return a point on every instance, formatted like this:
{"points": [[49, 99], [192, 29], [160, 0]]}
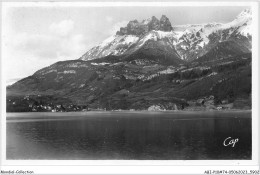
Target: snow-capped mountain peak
{"points": [[191, 41], [241, 24], [247, 13]]}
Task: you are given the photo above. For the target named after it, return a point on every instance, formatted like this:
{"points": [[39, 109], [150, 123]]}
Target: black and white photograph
{"points": [[128, 82]]}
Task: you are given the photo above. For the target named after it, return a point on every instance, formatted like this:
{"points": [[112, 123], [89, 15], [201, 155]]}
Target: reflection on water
{"points": [[138, 136]]}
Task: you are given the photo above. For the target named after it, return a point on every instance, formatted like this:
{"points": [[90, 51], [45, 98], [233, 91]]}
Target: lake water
{"points": [[129, 135]]}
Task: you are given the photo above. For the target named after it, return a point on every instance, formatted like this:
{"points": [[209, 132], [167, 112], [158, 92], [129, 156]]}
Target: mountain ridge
{"points": [[206, 66], [192, 39]]}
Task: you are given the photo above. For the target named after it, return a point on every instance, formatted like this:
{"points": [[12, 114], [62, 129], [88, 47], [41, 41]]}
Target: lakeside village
{"points": [[29, 104]]}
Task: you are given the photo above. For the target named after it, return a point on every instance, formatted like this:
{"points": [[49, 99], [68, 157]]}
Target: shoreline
{"points": [[133, 114], [137, 111]]}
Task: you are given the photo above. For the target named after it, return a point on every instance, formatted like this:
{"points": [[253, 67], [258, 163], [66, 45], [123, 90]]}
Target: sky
{"points": [[36, 37]]}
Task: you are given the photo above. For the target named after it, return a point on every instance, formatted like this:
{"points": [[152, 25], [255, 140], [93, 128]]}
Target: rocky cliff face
{"points": [[141, 28]]}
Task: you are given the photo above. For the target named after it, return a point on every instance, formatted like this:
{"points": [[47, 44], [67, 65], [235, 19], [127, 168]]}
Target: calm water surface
{"points": [[128, 135]]}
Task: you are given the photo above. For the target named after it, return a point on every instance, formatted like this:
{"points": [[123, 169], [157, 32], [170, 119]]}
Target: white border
{"points": [[255, 83], [126, 4], [150, 165]]}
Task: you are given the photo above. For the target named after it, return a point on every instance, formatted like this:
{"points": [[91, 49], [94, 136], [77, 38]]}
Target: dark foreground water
{"points": [[129, 135]]}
